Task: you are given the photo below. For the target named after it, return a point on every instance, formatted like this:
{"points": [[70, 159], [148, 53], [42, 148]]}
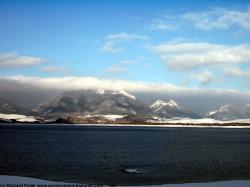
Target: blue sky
{"points": [[202, 44]]}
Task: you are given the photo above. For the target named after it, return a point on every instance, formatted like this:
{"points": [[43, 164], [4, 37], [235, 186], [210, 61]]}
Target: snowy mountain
{"points": [[171, 109], [7, 107], [118, 102], [231, 112], [119, 92], [160, 104], [85, 102]]}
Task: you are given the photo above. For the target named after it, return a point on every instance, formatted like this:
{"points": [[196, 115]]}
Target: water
{"points": [[110, 155]]}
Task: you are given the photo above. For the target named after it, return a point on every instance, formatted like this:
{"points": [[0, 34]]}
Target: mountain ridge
{"points": [[231, 112], [119, 102], [9, 107], [93, 102]]}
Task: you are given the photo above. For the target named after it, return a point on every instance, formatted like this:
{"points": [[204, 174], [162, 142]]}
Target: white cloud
{"points": [[125, 37], [121, 67], [116, 69], [161, 25], [209, 19], [52, 69], [12, 60], [110, 47], [204, 77], [234, 71], [68, 83], [74, 83], [113, 40], [126, 62], [188, 55], [219, 18]]}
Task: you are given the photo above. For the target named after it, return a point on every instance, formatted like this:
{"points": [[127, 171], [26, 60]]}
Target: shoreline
{"points": [[19, 180], [130, 125]]}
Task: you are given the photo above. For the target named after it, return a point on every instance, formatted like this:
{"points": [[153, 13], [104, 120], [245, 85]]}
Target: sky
{"points": [[176, 45]]}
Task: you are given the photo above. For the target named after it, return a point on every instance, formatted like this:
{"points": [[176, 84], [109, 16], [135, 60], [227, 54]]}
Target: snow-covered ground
{"points": [[167, 125], [197, 121], [155, 121], [5, 179], [111, 117], [19, 118]]}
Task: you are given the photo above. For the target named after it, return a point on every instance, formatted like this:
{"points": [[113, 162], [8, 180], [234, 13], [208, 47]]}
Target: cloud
{"points": [[34, 90], [161, 25], [121, 67], [12, 60], [219, 18], [189, 55], [237, 72], [73, 83], [52, 69], [110, 47], [69, 83], [113, 40], [127, 62], [204, 77], [125, 37], [116, 69], [209, 19]]}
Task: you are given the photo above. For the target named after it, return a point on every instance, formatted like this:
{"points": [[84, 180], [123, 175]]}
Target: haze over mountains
{"points": [[118, 102], [11, 108], [33, 91]]}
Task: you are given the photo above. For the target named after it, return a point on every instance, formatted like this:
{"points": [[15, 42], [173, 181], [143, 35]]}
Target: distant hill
{"points": [[119, 102], [171, 109], [231, 112], [7, 107], [93, 102]]}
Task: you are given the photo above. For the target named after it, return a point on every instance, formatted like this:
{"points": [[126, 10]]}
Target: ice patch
{"points": [[132, 170]]}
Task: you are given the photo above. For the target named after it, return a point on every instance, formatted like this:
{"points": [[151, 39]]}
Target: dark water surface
{"points": [[87, 154]]}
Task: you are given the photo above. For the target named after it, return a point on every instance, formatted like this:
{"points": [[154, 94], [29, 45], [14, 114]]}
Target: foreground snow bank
{"points": [[18, 117], [236, 183], [5, 179]]}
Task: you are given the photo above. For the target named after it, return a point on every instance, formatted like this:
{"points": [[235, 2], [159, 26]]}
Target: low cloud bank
{"points": [[34, 90]]}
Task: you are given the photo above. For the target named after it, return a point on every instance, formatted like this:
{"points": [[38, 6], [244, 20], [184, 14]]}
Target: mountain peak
{"points": [[123, 92], [170, 109], [161, 103], [83, 102], [116, 92]]}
